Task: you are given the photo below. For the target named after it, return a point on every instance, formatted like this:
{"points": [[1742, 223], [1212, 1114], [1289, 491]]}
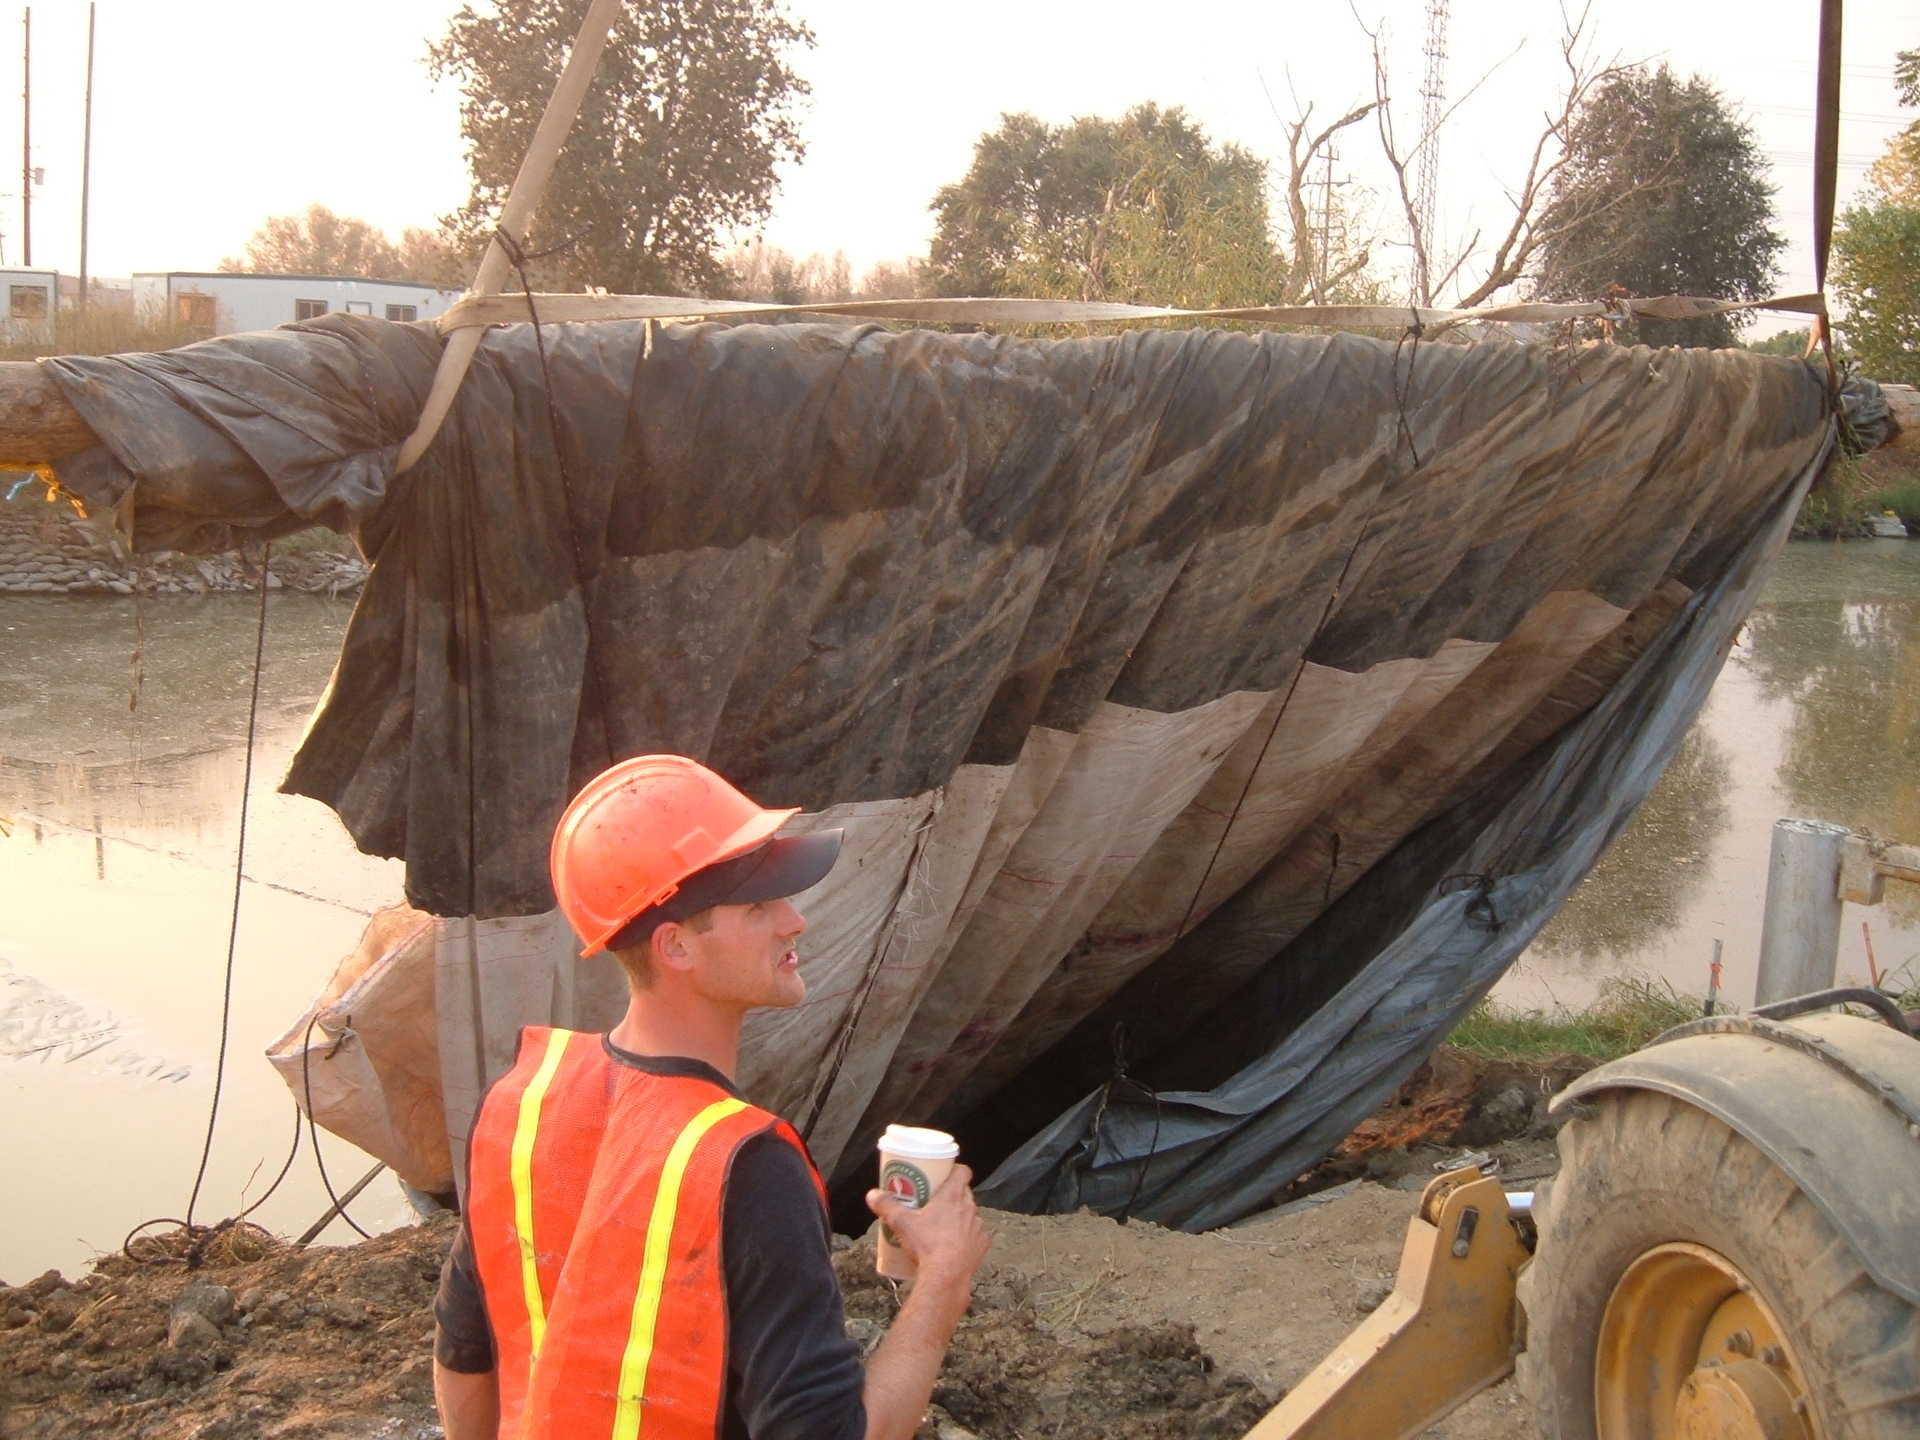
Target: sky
{"points": [[210, 116]]}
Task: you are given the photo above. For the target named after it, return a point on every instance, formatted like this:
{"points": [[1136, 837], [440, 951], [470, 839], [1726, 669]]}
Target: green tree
{"points": [[1664, 192], [1876, 277], [1896, 174], [1791, 343], [1143, 209], [319, 242], [692, 111], [1876, 270]]}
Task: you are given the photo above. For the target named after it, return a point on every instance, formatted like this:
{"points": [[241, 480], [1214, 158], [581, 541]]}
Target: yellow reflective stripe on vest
{"points": [[525, 1131], [653, 1270]]}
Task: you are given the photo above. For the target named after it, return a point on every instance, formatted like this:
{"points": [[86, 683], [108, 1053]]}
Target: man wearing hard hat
{"points": [[645, 1253]]}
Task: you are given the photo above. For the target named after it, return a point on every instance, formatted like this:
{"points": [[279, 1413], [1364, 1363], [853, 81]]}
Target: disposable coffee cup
{"points": [[914, 1163]]}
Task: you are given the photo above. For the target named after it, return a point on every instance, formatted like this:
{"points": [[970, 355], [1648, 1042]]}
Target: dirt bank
{"points": [[1081, 1327]]}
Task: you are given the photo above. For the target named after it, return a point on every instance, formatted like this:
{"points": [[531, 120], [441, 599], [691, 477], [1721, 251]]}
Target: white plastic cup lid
{"points": [[910, 1142]]}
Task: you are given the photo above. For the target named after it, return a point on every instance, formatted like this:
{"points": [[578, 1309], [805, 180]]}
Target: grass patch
{"points": [[1903, 499], [1624, 1016], [102, 331]]}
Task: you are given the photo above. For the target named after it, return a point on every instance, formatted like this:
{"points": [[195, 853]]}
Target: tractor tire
{"points": [[1644, 1170]]}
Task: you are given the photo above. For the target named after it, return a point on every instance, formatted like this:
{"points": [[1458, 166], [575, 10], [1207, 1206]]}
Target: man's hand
{"points": [[946, 1238]]}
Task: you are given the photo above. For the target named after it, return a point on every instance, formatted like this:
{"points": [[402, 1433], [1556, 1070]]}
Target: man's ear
{"points": [[669, 942]]}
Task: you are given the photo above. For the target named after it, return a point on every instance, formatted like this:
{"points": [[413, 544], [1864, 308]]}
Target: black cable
{"points": [[239, 873], [313, 1131], [519, 259]]}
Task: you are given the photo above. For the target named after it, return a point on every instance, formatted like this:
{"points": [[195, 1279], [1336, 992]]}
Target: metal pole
{"points": [[339, 1207], [26, 145], [1800, 933], [86, 164]]}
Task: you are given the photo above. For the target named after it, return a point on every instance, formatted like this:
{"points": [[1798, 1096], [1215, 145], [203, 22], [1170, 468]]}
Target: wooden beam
{"points": [[37, 425]]}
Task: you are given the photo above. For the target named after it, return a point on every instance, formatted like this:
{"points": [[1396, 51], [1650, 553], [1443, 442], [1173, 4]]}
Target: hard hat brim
{"points": [[772, 870], [783, 866]]}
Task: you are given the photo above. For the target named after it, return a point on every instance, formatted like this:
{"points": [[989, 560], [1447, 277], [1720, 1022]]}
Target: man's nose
{"points": [[790, 923]]}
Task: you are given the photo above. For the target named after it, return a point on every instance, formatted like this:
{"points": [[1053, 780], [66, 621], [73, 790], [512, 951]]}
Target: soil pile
{"points": [[263, 1339], [1081, 1327], [1456, 1103], [1020, 1367]]}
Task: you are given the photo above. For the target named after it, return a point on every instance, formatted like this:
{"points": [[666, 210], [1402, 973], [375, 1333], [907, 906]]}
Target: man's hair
{"points": [[637, 959]]}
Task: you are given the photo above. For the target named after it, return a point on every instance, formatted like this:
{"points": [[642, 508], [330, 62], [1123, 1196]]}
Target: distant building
{"points": [[30, 298], [220, 304]]}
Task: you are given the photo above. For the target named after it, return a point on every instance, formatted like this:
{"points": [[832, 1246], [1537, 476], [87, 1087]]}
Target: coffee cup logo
{"points": [[906, 1183]]}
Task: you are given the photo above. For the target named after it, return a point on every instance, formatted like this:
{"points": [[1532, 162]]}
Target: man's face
{"points": [[746, 956]]}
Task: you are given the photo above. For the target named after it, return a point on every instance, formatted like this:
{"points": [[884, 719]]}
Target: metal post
{"points": [[26, 147], [86, 172], [1800, 934]]}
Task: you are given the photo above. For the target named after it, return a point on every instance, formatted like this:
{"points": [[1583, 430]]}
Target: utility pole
{"points": [[1433, 95], [26, 143], [86, 162]]}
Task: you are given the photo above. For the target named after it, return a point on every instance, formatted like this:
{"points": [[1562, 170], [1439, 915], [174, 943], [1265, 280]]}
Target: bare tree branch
{"points": [[1530, 228], [1308, 273]]}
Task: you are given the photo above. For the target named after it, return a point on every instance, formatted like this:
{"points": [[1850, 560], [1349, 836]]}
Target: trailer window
{"points": [[309, 309], [194, 310], [403, 312], [27, 302]]}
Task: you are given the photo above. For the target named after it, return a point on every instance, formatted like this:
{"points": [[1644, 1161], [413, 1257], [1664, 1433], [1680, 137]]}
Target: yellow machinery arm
{"points": [[1443, 1335]]}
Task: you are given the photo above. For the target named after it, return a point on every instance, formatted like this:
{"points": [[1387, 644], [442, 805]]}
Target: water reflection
{"points": [[1817, 714], [1656, 869], [119, 802]]}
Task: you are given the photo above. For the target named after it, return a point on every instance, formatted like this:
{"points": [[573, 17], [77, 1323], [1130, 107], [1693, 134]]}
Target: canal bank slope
{"points": [[45, 549]]}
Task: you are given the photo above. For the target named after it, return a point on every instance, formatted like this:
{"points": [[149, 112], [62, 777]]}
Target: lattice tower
{"points": [[1433, 95]]}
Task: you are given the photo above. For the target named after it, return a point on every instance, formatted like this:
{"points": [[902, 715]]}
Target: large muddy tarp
{"points": [[1204, 708]]}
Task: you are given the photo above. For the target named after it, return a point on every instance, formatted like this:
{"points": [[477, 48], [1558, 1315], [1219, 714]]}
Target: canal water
{"points": [[121, 761], [1817, 715]]}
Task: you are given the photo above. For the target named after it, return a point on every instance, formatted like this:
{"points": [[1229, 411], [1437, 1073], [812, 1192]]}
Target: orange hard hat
{"points": [[637, 830]]}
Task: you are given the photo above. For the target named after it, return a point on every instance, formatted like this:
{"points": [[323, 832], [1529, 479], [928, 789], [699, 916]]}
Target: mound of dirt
{"points": [[1080, 1327], [1454, 1103], [1014, 1374], [262, 1340]]}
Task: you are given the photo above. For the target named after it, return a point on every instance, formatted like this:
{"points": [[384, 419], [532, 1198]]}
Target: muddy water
{"points": [[1817, 714], [116, 874], [116, 893]]}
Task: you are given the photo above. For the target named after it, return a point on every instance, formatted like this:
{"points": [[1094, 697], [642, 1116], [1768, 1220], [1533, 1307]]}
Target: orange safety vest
{"points": [[594, 1202]]}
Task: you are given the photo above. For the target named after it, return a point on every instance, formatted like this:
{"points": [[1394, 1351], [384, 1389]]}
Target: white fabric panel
{"points": [[967, 929], [851, 918], [1130, 774], [493, 977], [1334, 725], [922, 938]]}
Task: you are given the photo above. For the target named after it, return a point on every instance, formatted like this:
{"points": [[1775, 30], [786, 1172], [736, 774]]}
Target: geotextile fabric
{"points": [[1121, 660]]}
